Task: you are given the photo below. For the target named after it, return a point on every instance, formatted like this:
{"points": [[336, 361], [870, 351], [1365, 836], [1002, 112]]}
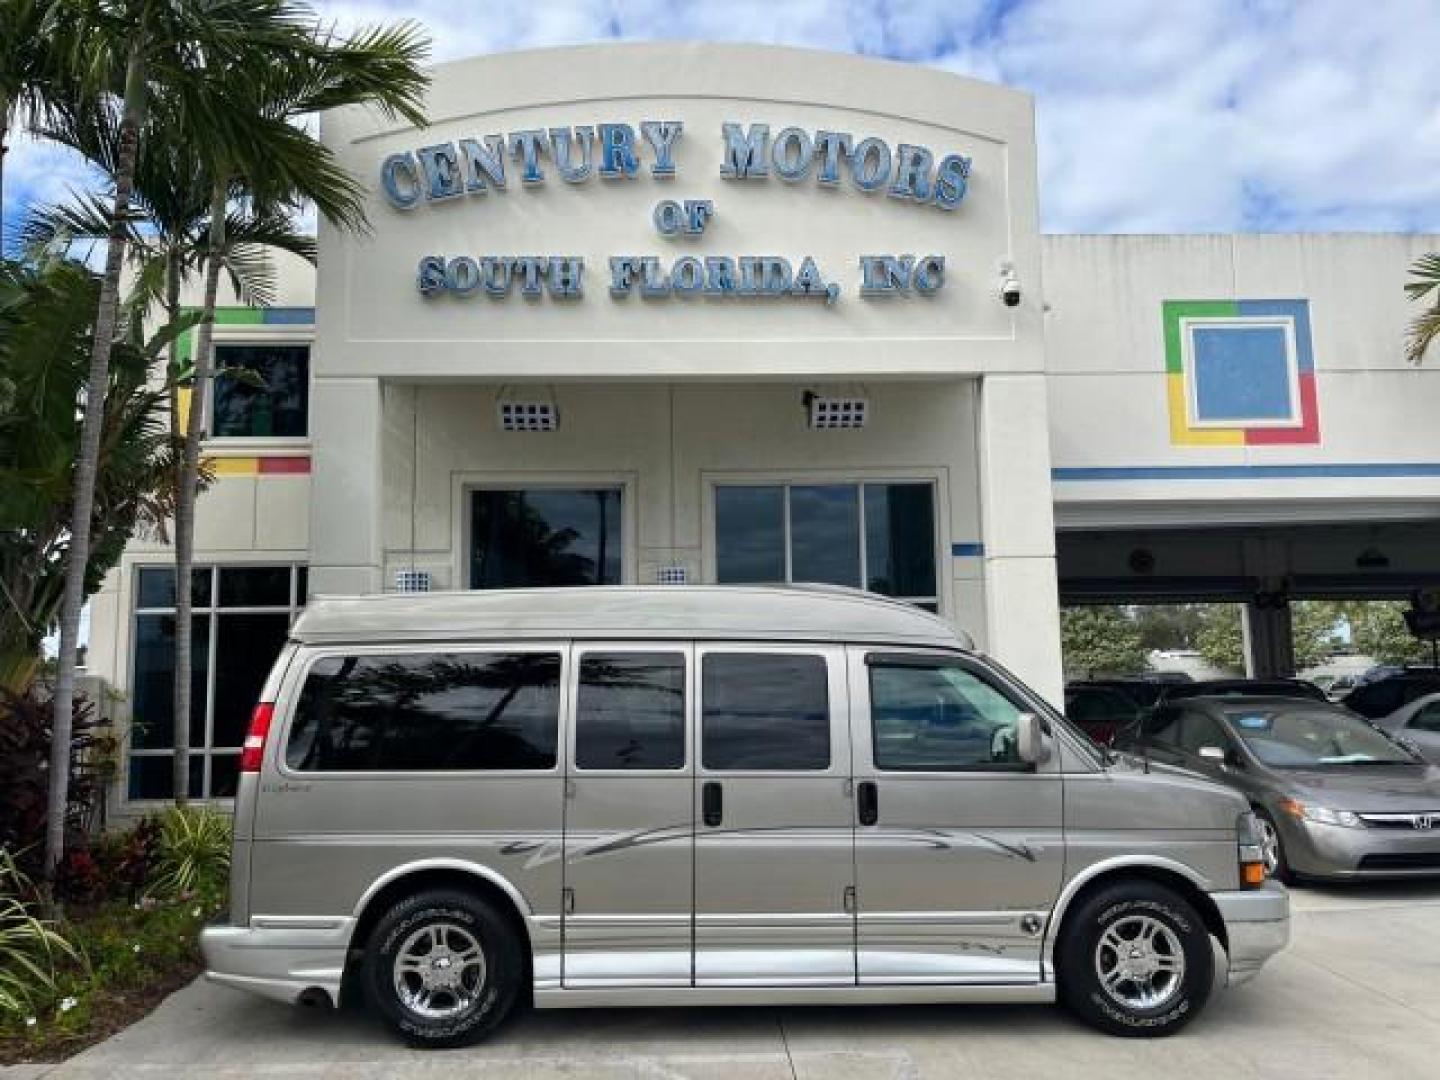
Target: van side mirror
{"points": [[1032, 743]]}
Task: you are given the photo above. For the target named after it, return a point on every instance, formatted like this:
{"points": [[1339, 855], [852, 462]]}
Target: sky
{"points": [[1152, 115]]}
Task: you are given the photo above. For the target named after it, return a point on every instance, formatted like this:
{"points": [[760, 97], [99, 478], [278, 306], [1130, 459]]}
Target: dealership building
{"points": [[658, 314]]}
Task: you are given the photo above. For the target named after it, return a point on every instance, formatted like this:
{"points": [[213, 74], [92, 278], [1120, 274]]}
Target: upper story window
{"points": [[262, 391]]}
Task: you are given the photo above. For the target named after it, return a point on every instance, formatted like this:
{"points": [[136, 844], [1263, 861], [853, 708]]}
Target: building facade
{"points": [[701, 313]]}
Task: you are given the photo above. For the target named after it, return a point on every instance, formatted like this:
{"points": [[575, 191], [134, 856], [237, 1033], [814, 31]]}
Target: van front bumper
{"points": [[279, 958], [1257, 926]]}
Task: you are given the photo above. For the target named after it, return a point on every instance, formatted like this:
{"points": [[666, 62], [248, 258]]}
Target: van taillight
{"points": [[254, 748]]}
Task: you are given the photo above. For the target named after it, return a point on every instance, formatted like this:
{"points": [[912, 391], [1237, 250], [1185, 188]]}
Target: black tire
{"points": [[1281, 872], [1122, 906], [473, 1009]]}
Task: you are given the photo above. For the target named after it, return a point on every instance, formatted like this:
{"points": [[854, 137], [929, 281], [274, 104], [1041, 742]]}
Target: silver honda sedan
{"points": [[1336, 797]]}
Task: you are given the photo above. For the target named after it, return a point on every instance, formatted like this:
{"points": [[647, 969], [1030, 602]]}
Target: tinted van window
{"points": [[426, 712], [765, 711], [939, 718], [630, 711]]}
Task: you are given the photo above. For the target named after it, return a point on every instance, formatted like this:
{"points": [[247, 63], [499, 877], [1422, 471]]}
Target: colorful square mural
{"points": [[1240, 373]]}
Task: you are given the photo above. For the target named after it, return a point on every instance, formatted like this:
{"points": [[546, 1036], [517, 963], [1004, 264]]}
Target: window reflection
{"points": [[749, 535], [765, 711], [262, 391], [630, 711], [545, 536], [822, 524], [940, 719], [825, 534], [427, 711]]}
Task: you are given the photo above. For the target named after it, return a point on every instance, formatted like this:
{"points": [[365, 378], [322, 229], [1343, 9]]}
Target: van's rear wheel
{"points": [[443, 968], [1135, 960]]}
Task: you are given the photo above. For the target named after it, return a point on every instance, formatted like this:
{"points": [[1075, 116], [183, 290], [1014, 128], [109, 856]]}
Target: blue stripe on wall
{"points": [[1247, 472], [967, 551], [288, 316]]}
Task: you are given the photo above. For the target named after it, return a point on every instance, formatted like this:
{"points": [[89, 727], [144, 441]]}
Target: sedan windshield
{"points": [[1307, 738]]}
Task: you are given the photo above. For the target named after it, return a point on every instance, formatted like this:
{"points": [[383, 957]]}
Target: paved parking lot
{"points": [[1356, 995]]}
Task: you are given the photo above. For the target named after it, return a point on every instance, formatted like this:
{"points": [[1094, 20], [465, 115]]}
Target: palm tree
{"points": [[129, 49], [45, 323], [1426, 326], [30, 74], [263, 159], [168, 234]]}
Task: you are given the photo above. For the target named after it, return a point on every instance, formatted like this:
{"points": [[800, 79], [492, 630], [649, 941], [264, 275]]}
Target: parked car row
{"points": [[1405, 703], [1340, 790], [1336, 796]]}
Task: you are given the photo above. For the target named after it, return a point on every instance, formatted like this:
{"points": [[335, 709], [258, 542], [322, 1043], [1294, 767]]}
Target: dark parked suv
{"points": [[1382, 697]]}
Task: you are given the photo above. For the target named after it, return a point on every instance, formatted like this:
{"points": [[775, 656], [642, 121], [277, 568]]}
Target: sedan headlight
{"points": [[1321, 815]]}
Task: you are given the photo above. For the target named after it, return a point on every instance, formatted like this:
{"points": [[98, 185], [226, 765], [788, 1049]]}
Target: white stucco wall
{"points": [[1105, 355], [668, 445], [374, 322], [667, 394]]}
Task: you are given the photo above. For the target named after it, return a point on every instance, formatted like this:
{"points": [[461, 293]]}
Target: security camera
{"points": [[1009, 285]]}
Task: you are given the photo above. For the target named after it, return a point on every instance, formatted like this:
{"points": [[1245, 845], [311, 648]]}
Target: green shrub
{"points": [[194, 852], [29, 947]]}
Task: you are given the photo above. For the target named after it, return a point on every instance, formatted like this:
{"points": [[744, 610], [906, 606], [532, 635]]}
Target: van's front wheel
{"points": [[443, 968], [1135, 960]]}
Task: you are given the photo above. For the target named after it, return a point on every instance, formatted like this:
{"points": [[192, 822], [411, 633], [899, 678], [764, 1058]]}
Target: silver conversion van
{"points": [[708, 795]]}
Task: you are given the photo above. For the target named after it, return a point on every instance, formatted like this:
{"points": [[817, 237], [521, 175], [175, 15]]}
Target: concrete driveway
{"points": [[1356, 995]]}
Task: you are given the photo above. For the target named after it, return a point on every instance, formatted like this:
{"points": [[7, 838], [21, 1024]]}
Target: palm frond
{"points": [[252, 274], [1424, 330], [1426, 271]]}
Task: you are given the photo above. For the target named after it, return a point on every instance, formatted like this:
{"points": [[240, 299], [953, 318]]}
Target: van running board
{"points": [[661, 996]]}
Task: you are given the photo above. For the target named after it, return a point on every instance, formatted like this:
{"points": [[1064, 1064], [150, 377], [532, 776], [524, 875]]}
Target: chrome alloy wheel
{"points": [[439, 971], [1269, 845], [1140, 962]]}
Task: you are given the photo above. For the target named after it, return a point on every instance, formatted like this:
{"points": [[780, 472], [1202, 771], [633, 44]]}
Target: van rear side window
{"points": [[426, 712], [767, 711]]}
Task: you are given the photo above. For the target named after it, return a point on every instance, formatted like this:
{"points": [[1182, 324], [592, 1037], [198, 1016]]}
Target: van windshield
{"points": [[1311, 738]]}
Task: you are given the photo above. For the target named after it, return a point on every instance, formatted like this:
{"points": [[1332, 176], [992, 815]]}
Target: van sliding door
{"points": [[774, 843], [629, 828]]}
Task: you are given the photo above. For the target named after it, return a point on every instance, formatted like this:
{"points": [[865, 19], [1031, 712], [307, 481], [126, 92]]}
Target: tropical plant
{"points": [[168, 232], [261, 156], [1425, 327], [1221, 638], [1378, 630], [1100, 640], [127, 51], [25, 772], [31, 72], [194, 852], [29, 946], [45, 336]]}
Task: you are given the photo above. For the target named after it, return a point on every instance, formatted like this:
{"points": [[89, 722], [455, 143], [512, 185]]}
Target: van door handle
{"points": [[867, 801], [712, 803]]}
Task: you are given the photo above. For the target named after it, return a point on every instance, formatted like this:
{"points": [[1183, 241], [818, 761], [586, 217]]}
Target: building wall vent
{"points": [[412, 580], [833, 413], [528, 416]]}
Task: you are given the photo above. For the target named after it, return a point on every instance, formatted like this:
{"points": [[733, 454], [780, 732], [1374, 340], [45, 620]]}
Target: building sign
{"points": [[484, 168]]}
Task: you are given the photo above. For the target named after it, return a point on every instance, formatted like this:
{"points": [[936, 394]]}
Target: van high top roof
{"points": [[770, 613]]}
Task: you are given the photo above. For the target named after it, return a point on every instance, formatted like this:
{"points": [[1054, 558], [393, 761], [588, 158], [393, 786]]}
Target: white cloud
{"points": [[1152, 115]]}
